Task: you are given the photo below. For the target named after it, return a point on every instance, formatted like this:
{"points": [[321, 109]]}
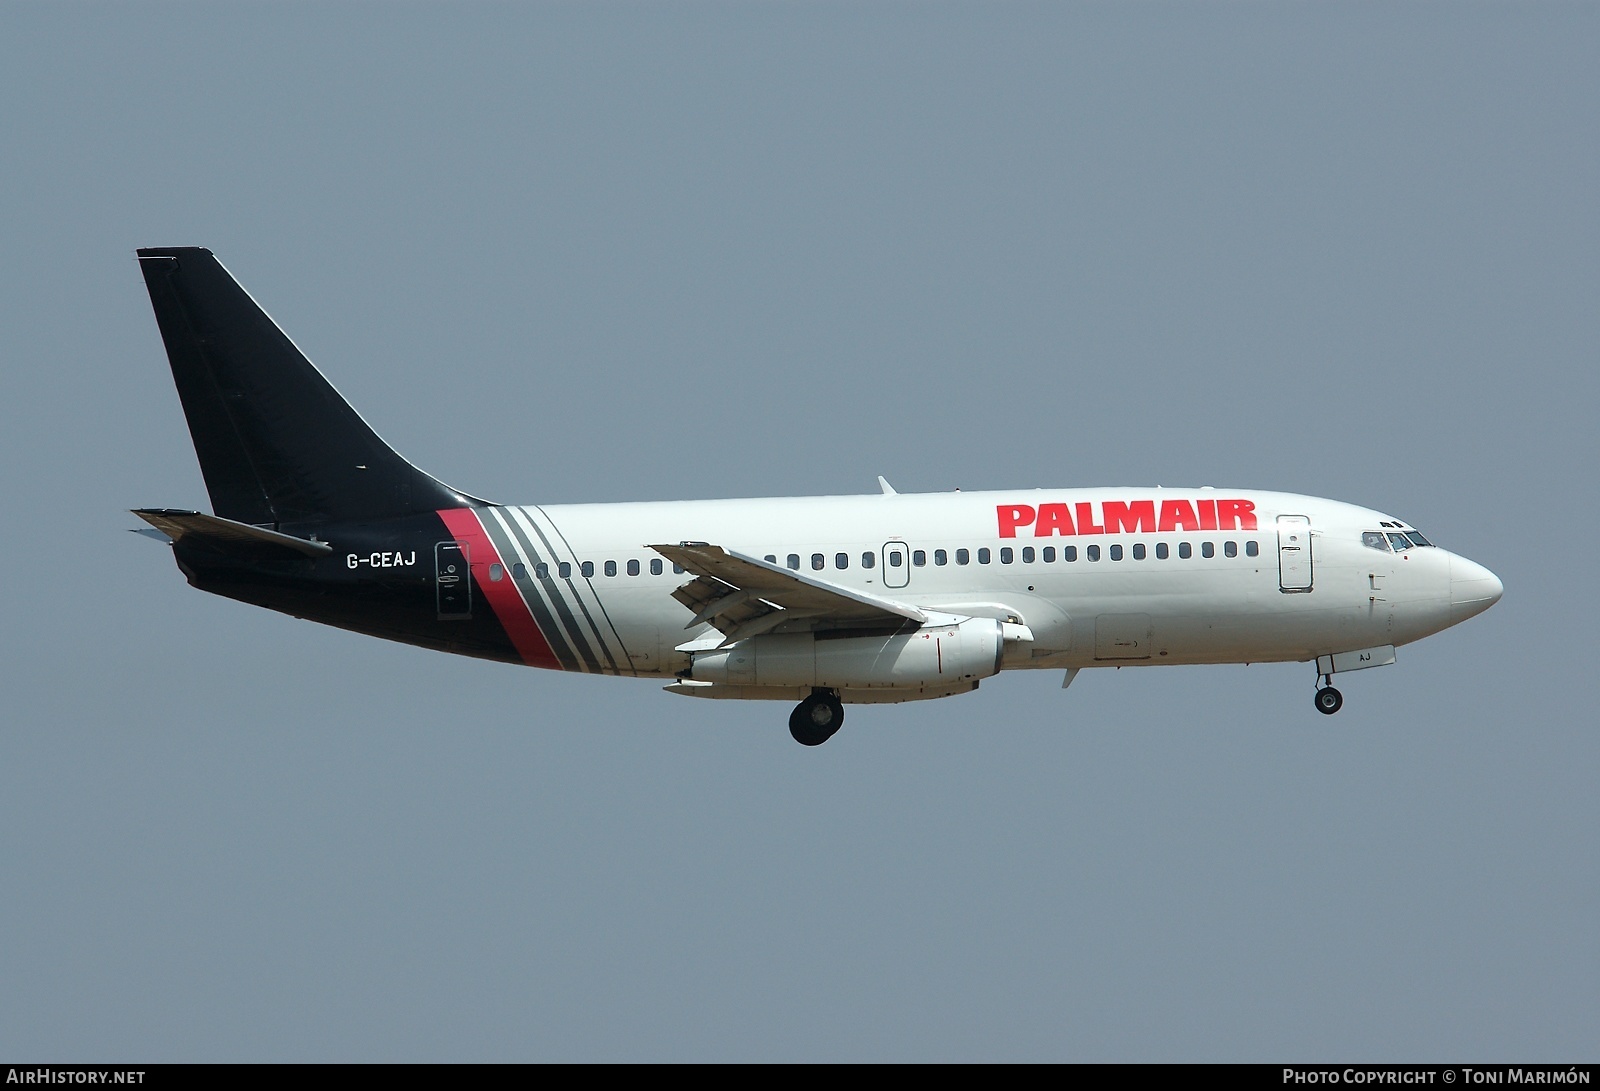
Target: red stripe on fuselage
{"points": [[502, 594]]}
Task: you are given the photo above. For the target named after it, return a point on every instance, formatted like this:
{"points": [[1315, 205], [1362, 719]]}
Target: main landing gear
{"points": [[815, 719], [1328, 699]]}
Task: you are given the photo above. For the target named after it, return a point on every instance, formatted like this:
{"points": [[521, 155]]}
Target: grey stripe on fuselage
{"points": [[598, 602], [559, 636], [525, 519], [581, 653]]}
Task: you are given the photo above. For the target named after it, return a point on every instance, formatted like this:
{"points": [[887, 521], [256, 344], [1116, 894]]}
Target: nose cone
{"points": [[1473, 589]]}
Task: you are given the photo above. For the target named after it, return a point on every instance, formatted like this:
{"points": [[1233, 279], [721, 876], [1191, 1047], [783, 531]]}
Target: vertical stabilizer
{"points": [[276, 442]]}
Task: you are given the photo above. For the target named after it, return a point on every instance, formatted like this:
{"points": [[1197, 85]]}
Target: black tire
{"points": [[815, 720], [1329, 700]]}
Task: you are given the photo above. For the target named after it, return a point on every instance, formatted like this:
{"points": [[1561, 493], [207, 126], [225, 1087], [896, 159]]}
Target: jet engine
{"points": [[965, 649]]}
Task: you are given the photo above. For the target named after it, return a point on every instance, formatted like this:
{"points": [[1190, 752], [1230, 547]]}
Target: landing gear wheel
{"points": [[814, 720], [1329, 700]]}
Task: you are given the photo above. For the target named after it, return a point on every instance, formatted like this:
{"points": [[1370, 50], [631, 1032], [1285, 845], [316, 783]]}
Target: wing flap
{"points": [[742, 596]]}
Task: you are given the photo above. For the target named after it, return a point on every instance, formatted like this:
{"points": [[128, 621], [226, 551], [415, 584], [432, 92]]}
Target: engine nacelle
{"points": [[932, 655]]}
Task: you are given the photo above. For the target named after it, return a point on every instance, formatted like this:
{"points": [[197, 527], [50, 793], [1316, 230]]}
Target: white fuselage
{"points": [[1111, 576]]}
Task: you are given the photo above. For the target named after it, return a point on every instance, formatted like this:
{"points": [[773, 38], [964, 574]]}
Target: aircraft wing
{"points": [[742, 596]]}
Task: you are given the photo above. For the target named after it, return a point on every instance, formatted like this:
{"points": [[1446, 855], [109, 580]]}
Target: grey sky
{"points": [[585, 252]]}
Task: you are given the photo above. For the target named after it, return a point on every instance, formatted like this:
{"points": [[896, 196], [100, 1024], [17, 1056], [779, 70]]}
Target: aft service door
{"points": [[896, 560], [453, 579], [1294, 554]]}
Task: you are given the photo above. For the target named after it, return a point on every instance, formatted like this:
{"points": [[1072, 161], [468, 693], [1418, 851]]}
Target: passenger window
{"points": [[1069, 553], [1116, 553], [1252, 549], [519, 571], [541, 571], [1092, 552], [587, 568], [1049, 554], [1374, 539], [1161, 551], [564, 570], [983, 555], [1208, 549], [633, 568], [818, 562], [1006, 555], [677, 569], [1138, 551], [941, 558], [963, 557], [771, 558], [1027, 554], [841, 560], [655, 566], [1185, 551], [794, 561], [1230, 549], [919, 557], [497, 572], [868, 560]]}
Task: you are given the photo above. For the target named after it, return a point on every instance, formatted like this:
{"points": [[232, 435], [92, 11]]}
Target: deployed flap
{"points": [[742, 596], [180, 524]]}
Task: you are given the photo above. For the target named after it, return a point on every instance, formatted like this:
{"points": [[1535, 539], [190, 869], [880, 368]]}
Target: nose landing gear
{"points": [[1328, 699], [814, 720]]}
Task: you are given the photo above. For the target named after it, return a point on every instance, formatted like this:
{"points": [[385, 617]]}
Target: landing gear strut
{"points": [[815, 719], [1328, 699]]}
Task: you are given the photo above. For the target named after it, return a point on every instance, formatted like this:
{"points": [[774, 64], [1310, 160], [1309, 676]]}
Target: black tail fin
{"points": [[277, 444]]}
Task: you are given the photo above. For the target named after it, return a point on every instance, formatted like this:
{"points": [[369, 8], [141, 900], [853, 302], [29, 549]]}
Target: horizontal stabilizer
{"points": [[193, 524]]}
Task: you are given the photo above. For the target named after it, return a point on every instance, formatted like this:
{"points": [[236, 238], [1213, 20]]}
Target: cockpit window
{"points": [[1374, 539], [1417, 539], [1400, 542]]}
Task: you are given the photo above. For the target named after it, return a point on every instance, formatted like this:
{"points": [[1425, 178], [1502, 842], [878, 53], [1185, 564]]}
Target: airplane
{"points": [[823, 601]]}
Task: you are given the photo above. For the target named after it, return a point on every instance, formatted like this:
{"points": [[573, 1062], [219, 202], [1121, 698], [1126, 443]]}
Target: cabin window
{"points": [[1230, 549], [983, 555], [1161, 551], [541, 571], [1069, 553], [1116, 553], [587, 568], [941, 558], [655, 566], [1138, 551], [868, 560], [564, 570], [841, 560], [1185, 550], [497, 572], [1049, 554], [1006, 555], [793, 560], [1092, 552], [677, 569], [519, 571], [919, 557], [611, 568], [1208, 549], [633, 568], [963, 557], [1027, 554], [818, 562], [771, 558], [1252, 549]]}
